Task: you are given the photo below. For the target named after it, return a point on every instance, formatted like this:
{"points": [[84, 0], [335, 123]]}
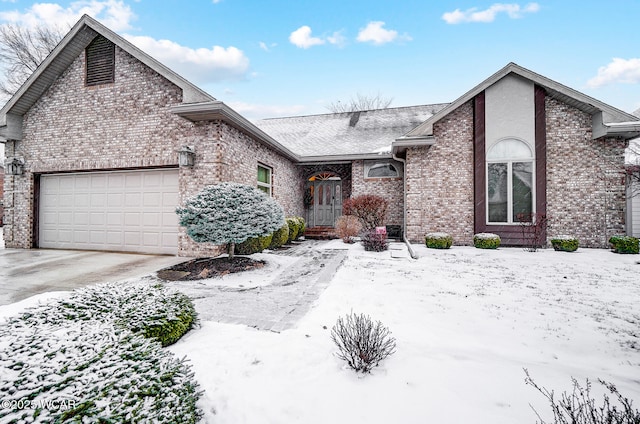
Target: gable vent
{"points": [[101, 59]]}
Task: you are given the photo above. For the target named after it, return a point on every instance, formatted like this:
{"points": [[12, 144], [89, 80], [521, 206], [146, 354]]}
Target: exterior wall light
{"points": [[15, 166], [186, 156]]}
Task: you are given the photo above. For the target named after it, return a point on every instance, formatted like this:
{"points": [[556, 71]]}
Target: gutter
{"points": [[404, 206]]}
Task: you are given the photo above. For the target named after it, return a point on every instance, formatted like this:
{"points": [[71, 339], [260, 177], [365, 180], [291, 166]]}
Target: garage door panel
{"points": [[121, 210]]}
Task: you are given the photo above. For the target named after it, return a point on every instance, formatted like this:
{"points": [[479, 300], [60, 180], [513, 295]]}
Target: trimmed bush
{"points": [[565, 243], [361, 342], [486, 241], [228, 214], [348, 227], [280, 237], [302, 226], [294, 228], [624, 244], [87, 355], [369, 209], [254, 245], [374, 242], [438, 240]]}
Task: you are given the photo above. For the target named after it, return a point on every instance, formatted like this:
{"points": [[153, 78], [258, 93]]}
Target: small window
{"points": [[378, 169], [101, 58], [264, 179]]}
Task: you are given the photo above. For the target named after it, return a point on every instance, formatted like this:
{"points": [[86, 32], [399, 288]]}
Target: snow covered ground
{"points": [[466, 321]]}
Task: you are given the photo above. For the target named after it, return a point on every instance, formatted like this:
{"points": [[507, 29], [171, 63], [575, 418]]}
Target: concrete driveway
{"points": [[24, 273]]}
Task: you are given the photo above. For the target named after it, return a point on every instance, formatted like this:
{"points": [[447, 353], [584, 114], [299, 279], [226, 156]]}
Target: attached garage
{"points": [[130, 211]]}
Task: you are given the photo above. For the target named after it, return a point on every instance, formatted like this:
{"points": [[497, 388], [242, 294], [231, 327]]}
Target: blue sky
{"points": [[270, 58]]}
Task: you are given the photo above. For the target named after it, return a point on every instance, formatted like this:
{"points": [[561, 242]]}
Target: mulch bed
{"points": [[198, 269]]}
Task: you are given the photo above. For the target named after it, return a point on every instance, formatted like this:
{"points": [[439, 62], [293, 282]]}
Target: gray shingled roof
{"points": [[348, 133]]}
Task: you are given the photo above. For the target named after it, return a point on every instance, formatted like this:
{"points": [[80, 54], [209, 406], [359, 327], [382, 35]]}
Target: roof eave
{"points": [[344, 158], [217, 110], [554, 89], [400, 146]]}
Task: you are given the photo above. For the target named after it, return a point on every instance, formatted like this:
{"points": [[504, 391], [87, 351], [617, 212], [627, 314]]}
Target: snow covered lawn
{"points": [[466, 322]]}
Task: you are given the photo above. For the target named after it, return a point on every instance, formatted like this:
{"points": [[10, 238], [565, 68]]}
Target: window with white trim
{"points": [[382, 169], [264, 178], [510, 182]]}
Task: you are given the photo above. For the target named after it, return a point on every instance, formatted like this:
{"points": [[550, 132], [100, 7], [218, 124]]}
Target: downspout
{"points": [[404, 206]]}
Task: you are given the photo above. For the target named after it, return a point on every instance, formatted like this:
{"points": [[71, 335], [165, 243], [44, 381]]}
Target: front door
{"points": [[327, 202]]}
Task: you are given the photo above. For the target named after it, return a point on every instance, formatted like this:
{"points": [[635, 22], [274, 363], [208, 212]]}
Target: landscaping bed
{"points": [[198, 269]]}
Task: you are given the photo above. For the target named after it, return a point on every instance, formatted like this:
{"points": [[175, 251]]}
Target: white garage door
{"points": [[130, 211]]}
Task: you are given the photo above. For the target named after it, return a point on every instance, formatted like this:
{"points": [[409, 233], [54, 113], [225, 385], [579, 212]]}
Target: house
{"points": [[104, 142]]}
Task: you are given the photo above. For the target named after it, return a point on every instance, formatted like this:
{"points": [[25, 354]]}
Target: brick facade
{"points": [[390, 189], [440, 181], [129, 125], [585, 183], [585, 180]]}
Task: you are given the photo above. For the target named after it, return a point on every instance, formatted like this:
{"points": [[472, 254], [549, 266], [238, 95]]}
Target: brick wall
{"points": [[440, 181], [129, 124], [390, 189], [585, 184]]}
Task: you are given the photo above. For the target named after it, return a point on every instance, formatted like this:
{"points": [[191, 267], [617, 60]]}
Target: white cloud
{"points": [[267, 47], [376, 34], [513, 10], [618, 71], [337, 38], [302, 38], [202, 65], [115, 14]]}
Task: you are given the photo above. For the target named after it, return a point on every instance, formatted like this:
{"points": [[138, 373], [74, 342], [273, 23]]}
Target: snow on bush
{"points": [[361, 342], [85, 359], [438, 240], [486, 241], [147, 309], [565, 243], [230, 213], [374, 241]]}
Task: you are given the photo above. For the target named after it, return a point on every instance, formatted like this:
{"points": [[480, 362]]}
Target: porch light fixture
{"points": [[186, 156], [15, 166]]}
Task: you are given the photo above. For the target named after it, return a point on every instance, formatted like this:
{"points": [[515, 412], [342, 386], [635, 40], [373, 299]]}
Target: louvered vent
{"points": [[101, 59]]}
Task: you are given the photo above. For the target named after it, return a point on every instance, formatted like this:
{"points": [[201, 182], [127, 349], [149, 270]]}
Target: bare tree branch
{"points": [[360, 102], [21, 52]]}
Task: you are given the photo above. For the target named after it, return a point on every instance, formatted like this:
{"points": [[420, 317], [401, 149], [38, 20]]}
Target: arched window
{"points": [[382, 169], [510, 188]]}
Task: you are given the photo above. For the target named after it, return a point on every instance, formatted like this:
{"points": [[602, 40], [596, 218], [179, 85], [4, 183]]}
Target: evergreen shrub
{"points": [[294, 228], [254, 245], [624, 244], [486, 241], [280, 237], [565, 243], [438, 240]]}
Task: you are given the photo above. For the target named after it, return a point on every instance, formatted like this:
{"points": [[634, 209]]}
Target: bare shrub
{"points": [[348, 227], [534, 230], [368, 208], [361, 342], [578, 407]]}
